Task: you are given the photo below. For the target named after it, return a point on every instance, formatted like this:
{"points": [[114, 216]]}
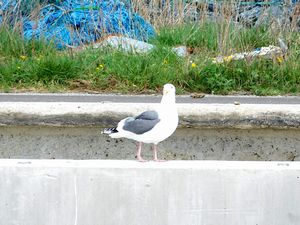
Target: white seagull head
{"points": [[169, 89], [168, 94]]}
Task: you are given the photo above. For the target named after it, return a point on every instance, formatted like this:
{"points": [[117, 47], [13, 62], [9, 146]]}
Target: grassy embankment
{"points": [[38, 66]]}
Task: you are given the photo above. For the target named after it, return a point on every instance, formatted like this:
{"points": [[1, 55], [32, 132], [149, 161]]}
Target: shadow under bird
{"points": [[151, 126]]}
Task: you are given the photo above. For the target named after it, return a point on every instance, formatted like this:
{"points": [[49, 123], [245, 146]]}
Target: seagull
{"points": [[150, 127]]}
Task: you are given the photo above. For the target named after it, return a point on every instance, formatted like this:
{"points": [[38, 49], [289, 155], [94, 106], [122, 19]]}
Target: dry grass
{"points": [[172, 13]]}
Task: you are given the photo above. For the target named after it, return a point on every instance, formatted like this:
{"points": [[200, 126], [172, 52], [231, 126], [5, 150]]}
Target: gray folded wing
{"points": [[142, 123]]}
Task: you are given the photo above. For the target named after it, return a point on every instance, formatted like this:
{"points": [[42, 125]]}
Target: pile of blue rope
{"points": [[76, 22]]}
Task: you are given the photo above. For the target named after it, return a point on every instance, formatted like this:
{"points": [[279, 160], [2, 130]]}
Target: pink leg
{"points": [[155, 155], [138, 154]]}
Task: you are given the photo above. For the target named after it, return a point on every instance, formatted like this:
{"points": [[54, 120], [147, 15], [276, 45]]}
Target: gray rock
{"points": [[250, 17]]}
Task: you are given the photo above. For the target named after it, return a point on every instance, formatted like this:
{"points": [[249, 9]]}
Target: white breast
{"points": [[165, 128]]}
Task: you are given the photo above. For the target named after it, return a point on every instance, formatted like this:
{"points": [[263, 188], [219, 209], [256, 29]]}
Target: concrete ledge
{"points": [[59, 192], [71, 130], [246, 116]]}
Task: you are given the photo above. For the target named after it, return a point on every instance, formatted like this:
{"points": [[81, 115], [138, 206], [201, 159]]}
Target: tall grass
{"points": [[38, 65]]}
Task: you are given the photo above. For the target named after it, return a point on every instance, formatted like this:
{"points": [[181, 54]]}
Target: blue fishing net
{"points": [[75, 22]]}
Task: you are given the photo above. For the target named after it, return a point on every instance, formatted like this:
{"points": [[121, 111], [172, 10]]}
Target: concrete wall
{"points": [[59, 192], [44, 142], [71, 130]]}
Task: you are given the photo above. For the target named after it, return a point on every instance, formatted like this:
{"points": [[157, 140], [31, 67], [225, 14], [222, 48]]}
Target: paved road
{"points": [[145, 98]]}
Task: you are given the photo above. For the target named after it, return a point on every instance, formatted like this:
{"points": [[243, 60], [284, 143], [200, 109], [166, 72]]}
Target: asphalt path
{"points": [[207, 99]]}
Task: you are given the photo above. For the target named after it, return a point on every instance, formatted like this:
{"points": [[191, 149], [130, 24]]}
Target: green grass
{"points": [[38, 66]]}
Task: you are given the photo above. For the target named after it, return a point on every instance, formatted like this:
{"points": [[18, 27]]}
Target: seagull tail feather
{"points": [[110, 130]]}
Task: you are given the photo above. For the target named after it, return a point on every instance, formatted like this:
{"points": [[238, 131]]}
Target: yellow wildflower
{"points": [[193, 65], [228, 58], [100, 67], [23, 57], [279, 59]]}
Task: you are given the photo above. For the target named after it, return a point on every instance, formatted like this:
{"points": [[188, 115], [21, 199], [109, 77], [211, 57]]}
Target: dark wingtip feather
{"points": [[109, 130]]}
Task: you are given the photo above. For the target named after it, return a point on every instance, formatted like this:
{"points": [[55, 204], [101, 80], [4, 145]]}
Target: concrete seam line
{"points": [[174, 164]]}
